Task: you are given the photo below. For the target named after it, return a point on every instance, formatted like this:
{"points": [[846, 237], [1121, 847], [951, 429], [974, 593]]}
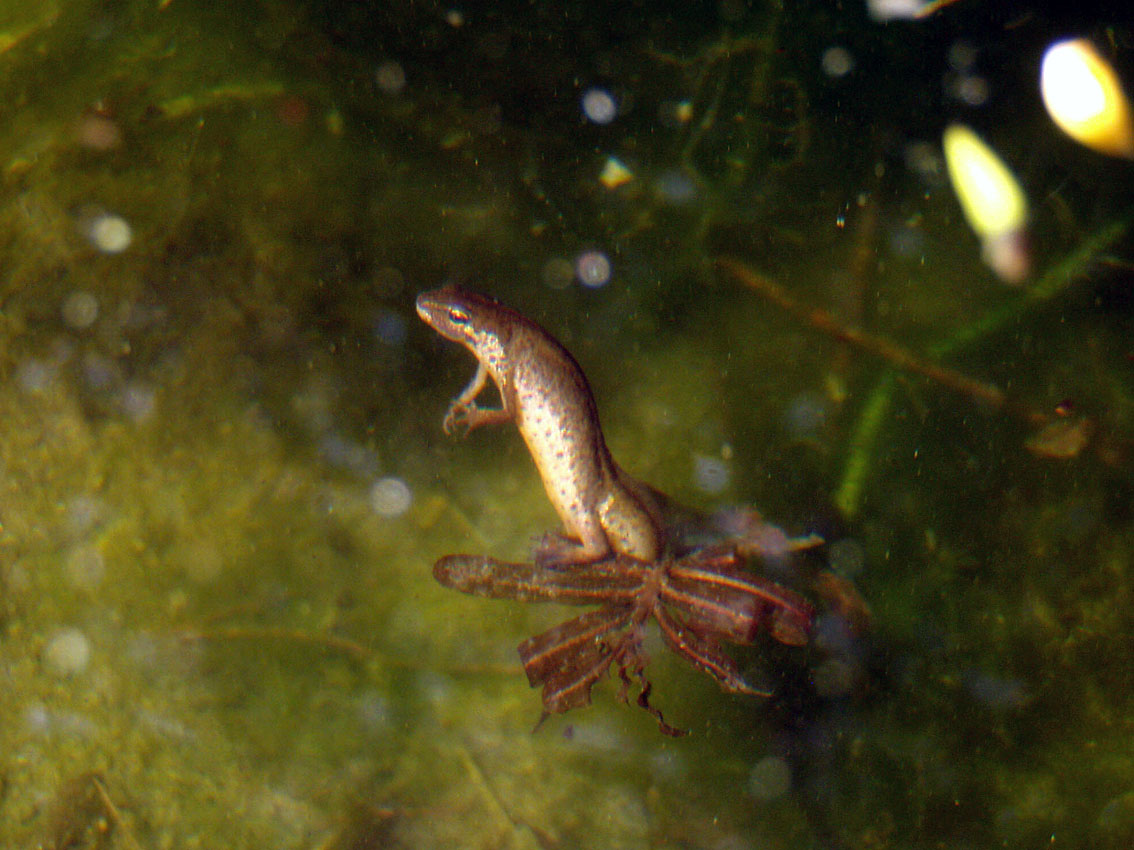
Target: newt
{"points": [[544, 392]]}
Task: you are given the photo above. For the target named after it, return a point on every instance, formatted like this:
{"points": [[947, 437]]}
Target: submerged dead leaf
{"points": [[1062, 439]]}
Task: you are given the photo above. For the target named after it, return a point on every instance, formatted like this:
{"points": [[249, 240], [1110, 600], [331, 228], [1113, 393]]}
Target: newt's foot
{"points": [[465, 416], [555, 551], [459, 419]]}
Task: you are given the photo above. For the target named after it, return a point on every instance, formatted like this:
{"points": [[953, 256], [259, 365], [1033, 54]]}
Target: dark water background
{"points": [[223, 479]]}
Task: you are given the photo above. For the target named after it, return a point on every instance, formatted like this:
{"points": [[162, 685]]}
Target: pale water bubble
{"points": [[593, 269], [348, 454], [1009, 255], [138, 401], [99, 371], [596, 736], [770, 778], [675, 187], [557, 273], [67, 653], [669, 765], [805, 416], [711, 474], [35, 375], [837, 62], [98, 133], [922, 159], [373, 711], [110, 233], [889, 10], [995, 691], [85, 513], [905, 240], [390, 77], [971, 90], [390, 497], [37, 719], [80, 309], [390, 328], [435, 688], [833, 633], [599, 106], [85, 567]]}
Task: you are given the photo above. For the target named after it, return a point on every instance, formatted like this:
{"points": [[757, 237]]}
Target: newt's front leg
{"points": [[464, 415]]}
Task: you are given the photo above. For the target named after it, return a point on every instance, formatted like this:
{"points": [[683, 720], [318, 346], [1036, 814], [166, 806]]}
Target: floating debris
{"points": [[79, 310], [992, 201], [837, 61], [890, 10], [108, 232], [599, 106], [1061, 439], [98, 132], [67, 653], [1084, 98], [593, 269], [390, 497], [557, 273], [615, 174], [390, 77]]}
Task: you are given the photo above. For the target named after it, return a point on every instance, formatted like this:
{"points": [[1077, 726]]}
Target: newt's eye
{"points": [[458, 316]]}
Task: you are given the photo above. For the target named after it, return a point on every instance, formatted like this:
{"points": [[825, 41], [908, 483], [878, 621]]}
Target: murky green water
{"points": [[223, 479]]}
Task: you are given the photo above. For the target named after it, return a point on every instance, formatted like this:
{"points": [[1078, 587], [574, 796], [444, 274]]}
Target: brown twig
{"points": [[899, 357], [114, 816]]}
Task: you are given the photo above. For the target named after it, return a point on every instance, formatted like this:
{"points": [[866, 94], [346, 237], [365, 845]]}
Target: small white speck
{"points": [[711, 474], [84, 567], [593, 269], [390, 497], [599, 106], [34, 375], [390, 77], [138, 401], [837, 62], [80, 309], [110, 233], [67, 653]]}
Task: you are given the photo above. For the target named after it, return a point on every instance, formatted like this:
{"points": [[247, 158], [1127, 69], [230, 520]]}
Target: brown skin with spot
{"points": [[543, 390]]}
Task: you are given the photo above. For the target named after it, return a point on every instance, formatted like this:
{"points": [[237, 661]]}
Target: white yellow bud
{"points": [[1085, 99]]}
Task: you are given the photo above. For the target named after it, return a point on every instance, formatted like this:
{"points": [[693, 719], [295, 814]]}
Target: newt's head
{"points": [[467, 317], [448, 311]]}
